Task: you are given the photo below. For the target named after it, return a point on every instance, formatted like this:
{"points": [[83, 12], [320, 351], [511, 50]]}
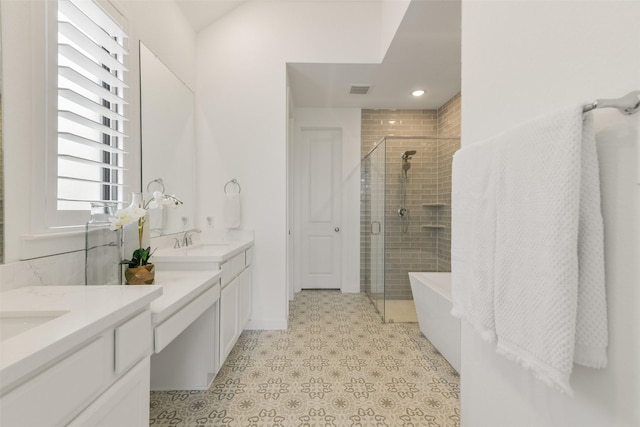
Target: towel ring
{"points": [[233, 181], [158, 181]]}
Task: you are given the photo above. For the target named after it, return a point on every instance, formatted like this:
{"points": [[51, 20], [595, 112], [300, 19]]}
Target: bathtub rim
{"points": [[436, 283]]}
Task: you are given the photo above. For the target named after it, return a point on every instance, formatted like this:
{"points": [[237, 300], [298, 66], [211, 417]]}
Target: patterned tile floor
{"points": [[336, 365]]}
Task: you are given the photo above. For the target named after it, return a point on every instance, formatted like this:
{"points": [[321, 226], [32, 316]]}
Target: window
{"points": [[91, 106]]}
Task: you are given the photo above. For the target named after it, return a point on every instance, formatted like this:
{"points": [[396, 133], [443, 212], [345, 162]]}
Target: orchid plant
{"points": [[137, 212]]}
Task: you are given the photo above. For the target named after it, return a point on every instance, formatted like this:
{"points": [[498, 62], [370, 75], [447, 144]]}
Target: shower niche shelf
{"points": [[432, 226], [433, 205]]}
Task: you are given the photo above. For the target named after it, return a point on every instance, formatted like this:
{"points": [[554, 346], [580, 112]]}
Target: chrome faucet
{"points": [[186, 239]]}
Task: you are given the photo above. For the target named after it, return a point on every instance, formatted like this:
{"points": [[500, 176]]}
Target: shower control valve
{"points": [[402, 212]]}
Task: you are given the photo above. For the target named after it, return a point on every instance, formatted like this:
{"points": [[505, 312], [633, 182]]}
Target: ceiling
{"points": [[424, 54], [202, 13]]}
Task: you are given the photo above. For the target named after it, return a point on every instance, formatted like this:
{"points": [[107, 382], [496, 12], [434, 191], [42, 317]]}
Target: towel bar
{"points": [[628, 104]]}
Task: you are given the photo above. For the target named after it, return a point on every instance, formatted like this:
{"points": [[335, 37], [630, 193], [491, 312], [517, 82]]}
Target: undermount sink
{"points": [[207, 251], [15, 323]]}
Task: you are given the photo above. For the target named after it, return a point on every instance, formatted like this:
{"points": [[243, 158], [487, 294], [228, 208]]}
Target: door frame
{"points": [[349, 121]]}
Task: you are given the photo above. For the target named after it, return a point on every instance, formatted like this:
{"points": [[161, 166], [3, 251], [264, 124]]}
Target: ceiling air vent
{"points": [[359, 89]]}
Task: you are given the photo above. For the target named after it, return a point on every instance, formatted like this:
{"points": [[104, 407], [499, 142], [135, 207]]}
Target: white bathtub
{"points": [[432, 297]]}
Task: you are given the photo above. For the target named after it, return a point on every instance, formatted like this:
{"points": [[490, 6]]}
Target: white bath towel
{"points": [[549, 291], [473, 234], [232, 210], [550, 302]]}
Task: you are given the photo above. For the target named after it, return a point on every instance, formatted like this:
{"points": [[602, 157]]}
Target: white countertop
{"points": [[88, 310], [179, 288], [213, 252]]}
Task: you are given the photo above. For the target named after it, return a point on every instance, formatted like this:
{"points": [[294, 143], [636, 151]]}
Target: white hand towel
{"points": [[232, 210], [473, 234], [550, 303], [157, 218]]}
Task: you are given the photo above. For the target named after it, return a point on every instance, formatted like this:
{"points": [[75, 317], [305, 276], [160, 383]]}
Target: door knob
{"points": [[337, 229]]}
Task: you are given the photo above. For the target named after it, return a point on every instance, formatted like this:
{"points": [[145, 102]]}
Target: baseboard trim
{"points": [[267, 324]]}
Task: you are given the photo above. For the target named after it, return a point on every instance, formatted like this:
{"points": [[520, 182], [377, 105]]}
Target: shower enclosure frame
{"points": [[380, 209]]}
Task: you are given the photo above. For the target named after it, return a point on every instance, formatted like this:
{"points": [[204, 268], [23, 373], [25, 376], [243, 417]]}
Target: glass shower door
{"points": [[377, 225]]}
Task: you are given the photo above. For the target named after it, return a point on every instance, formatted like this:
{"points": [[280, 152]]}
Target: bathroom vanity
{"points": [[89, 355], [185, 330], [232, 259], [75, 355]]}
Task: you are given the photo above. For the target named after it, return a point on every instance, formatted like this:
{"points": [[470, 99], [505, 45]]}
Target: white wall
{"points": [[241, 116], [519, 60], [164, 29], [349, 121]]}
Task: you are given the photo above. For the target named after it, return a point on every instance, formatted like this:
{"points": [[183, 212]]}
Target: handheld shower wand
{"points": [[403, 212], [407, 155]]}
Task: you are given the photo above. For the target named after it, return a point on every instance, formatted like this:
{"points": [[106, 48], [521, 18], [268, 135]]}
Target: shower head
{"points": [[406, 155]]}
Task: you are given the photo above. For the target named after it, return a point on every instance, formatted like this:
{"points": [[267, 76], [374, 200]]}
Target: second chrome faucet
{"points": [[186, 239]]}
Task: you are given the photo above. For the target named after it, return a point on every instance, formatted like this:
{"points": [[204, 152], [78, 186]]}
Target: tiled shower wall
{"points": [[419, 249], [448, 126]]}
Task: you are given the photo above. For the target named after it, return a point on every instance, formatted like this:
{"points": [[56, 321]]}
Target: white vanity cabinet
{"points": [[229, 319], [233, 259], [101, 381], [126, 403], [235, 300], [185, 330], [244, 297]]}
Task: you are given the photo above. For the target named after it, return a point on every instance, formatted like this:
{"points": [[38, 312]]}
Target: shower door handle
{"points": [[375, 227]]}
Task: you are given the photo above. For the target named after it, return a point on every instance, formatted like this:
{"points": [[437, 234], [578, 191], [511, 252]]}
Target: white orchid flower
{"points": [[160, 199], [171, 200], [137, 212], [121, 218], [126, 216], [157, 200]]}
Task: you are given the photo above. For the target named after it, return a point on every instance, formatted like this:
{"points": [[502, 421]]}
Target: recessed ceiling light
{"points": [[418, 92]]}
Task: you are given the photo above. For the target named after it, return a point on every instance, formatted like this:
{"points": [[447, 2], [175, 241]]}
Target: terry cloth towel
{"points": [[549, 289], [157, 218], [473, 234], [550, 303], [232, 210]]}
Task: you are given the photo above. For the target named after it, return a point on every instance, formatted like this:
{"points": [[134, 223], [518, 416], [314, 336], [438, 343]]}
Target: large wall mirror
{"points": [[168, 143]]}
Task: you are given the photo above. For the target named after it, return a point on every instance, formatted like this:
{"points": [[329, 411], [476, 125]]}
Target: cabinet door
{"points": [[56, 395], [124, 404], [229, 327], [245, 298]]}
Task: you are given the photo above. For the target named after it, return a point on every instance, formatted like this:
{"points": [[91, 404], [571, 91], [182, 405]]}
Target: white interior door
{"points": [[321, 210]]}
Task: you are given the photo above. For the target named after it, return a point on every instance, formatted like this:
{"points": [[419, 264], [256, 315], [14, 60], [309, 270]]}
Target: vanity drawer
{"points": [[133, 341], [62, 390], [168, 330], [232, 268]]}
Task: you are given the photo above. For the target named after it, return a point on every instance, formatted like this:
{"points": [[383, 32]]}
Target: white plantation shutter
{"points": [[91, 102]]}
